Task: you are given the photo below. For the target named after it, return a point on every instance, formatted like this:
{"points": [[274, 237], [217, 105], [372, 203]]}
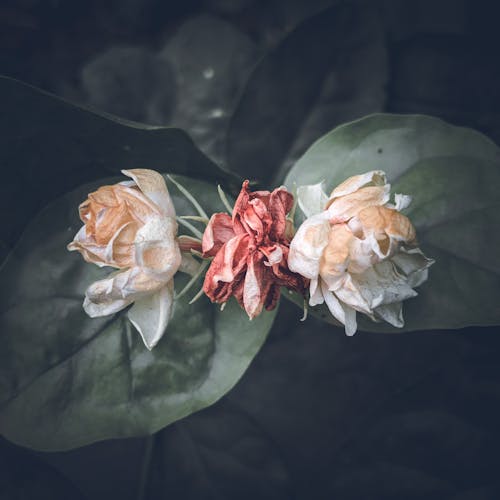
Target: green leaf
{"points": [[453, 175], [49, 146], [67, 380]]}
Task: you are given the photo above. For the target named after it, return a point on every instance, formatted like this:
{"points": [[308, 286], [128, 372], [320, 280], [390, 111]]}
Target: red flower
{"points": [[250, 251]]}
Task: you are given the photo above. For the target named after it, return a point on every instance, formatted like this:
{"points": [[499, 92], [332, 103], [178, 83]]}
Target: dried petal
{"points": [[360, 252], [250, 251], [131, 226]]}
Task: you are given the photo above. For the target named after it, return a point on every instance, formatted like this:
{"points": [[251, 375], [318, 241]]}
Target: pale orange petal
{"points": [[343, 208], [352, 184], [335, 257], [387, 224], [152, 184]]}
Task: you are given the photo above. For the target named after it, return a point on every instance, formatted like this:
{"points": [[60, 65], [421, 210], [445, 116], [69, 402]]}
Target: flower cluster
{"points": [[355, 251], [358, 250], [131, 226], [250, 251]]}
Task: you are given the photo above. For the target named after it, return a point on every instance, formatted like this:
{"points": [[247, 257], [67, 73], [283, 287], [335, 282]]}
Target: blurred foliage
{"points": [[375, 416]]}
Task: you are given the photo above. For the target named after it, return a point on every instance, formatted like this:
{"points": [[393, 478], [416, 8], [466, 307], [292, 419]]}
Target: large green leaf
{"points": [[453, 175], [67, 380], [49, 146]]}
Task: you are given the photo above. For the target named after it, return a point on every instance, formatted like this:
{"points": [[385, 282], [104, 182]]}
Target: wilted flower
{"points": [[358, 250], [131, 226], [250, 251]]}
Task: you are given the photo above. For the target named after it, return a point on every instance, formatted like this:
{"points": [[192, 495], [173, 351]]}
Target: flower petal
{"points": [[153, 185], [414, 264], [253, 294], [90, 251], [151, 314], [382, 284], [274, 254], [352, 184], [118, 290], [386, 222], [315, 293], [156, 248], [219, 230], [343, 208], [105, 297], [402, 201], [308, 244], [335, 258], [351, 324], [356, 193], [232, 259], [229, 263], [312, 199], [280, 203], [348, 291], [392, 313], [341, 312]]}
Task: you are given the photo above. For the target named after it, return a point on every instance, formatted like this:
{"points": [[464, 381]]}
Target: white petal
{"points": [[315, 293], [348, 291], [333, 303], [91, 252], [382, 284], [308, 244], [350, 320], [401, 201], [312, 199], [274, 257], [108, 296], [95, 310], [156, 248], [151, 314], [414, 264], [118, 290], [364, 253], [392, 313], [153, 185]]}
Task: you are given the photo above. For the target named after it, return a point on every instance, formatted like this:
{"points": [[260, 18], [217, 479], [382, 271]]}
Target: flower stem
{"points": [[195, 218], [189, 196], [190, 226], [193, 280], [224, 199], [196, 297]]}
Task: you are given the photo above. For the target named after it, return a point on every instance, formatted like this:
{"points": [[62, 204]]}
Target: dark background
{"points": [[317, 415]]}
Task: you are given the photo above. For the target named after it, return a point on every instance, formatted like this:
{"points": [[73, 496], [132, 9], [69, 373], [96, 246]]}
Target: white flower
{"points": [[358, 250], [131, 226]]}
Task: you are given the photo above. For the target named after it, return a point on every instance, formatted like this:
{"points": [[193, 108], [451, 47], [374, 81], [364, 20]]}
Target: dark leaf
{"points": [[330, 69]]}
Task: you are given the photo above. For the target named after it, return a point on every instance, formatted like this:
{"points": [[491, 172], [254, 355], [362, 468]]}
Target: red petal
{"points": [[239, 208], [224, 272], [280, 203], [272, 297], [218, 231]]}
